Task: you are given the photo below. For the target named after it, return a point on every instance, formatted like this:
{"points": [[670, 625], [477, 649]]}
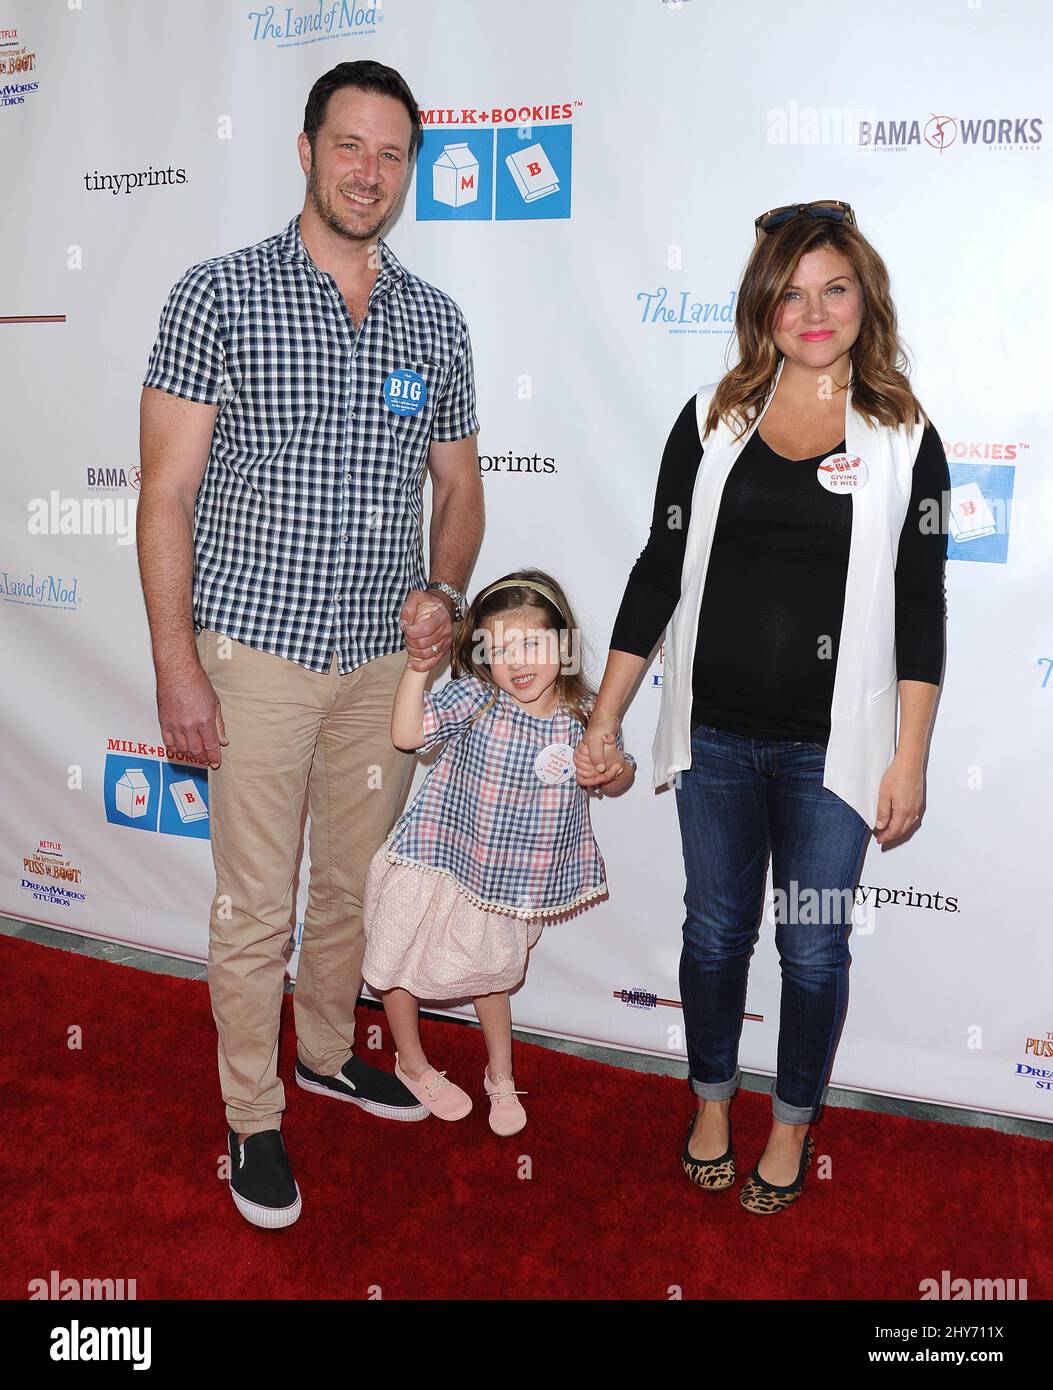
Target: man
{"points": [[297, 393]]}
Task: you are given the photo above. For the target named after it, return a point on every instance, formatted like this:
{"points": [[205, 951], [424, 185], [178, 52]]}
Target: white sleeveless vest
{"points": [[863, 711]]}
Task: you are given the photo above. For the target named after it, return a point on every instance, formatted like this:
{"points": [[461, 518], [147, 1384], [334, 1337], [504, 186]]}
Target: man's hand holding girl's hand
{"points": [[597, 760], [427, 622]]}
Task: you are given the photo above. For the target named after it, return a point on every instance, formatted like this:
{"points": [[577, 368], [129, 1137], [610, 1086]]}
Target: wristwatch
{"points": [[460, 603]]}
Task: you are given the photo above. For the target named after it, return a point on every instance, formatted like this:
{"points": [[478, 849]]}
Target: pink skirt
{"points": [[425, 936]]}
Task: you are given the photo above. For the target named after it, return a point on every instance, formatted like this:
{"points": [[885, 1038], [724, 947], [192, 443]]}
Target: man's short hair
{"points": [[365, 76]]}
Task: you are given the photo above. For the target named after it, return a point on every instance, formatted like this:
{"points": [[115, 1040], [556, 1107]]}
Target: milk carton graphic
{"points": [[533, 172], [455, 176], [132, 793], [188, 801]]}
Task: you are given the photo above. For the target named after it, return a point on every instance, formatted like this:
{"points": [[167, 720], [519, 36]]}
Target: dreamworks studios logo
{"points": [[1036, 1048], [51, 877], [17, 64]]}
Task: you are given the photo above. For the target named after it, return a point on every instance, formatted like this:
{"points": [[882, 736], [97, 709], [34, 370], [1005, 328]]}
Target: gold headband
{"points": [[524, 584]]}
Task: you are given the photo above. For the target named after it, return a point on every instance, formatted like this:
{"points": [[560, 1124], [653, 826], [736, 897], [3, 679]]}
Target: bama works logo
{"points": [[943, 133], [142, 790], [502, 164]]}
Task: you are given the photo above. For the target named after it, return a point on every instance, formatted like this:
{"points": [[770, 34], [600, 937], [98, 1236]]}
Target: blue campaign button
{"points": [[405, 392]]}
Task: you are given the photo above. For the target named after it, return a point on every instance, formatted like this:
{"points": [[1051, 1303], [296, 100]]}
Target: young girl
{"points": [[497, 840]]}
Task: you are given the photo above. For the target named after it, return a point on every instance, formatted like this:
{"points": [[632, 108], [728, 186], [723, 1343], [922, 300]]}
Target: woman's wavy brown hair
{"points": [[572, 689], [880, 389]]}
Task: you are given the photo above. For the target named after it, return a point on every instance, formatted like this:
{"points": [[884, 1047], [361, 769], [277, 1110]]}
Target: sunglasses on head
{"points": [[829, 208]]}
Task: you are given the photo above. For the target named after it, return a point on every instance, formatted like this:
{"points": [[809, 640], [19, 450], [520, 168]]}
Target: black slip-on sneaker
{"points": [[377, 1091], [261, 1181]]}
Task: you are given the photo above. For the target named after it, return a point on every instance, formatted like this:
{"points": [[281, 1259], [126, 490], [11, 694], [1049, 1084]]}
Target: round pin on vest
{"points": [[554, 765], [843, 473]]}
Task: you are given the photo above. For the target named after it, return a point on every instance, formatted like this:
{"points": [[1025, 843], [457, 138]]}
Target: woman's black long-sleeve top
{"points": [[770, 622]]}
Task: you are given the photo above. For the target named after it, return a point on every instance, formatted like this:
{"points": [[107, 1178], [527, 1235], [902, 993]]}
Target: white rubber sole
{"points": [[267, 1218], [374, 1107]]}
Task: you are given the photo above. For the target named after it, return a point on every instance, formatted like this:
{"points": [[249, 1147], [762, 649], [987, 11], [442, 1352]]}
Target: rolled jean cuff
{"points": [[717, 1090], [792, 1114]]}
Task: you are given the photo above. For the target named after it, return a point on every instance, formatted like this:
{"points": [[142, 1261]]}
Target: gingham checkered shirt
{"points": [[510, 841], [308, 521]]}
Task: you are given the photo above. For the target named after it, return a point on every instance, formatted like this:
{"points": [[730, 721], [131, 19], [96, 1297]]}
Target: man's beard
{"points": [[331, 217]]}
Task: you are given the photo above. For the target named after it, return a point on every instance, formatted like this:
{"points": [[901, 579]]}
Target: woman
{"points": [[793, 541]]}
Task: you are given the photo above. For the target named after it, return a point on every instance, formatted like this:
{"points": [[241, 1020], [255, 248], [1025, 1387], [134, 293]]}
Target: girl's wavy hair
{"points": [[572, 689], [880, 389]]}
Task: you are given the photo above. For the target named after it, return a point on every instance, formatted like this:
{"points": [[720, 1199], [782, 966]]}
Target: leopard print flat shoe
{"points": [[712, 1174], [766, 1198]]}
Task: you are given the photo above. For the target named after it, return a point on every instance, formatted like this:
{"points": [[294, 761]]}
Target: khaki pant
{"points": [[297, 738]]}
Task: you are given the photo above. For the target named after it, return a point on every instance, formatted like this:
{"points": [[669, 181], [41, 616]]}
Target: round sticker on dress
{"points": [[554, 765], [405, 392], [843, 473]]}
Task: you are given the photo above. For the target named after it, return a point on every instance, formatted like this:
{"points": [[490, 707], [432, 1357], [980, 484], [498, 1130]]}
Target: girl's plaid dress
{"points": [[486, 851]]}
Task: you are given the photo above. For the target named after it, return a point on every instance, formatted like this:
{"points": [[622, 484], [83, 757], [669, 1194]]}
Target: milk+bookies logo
{"points": [[503, 164], [142, 790]]}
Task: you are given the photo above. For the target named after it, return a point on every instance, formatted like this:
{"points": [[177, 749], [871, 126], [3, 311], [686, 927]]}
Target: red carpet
{"points": [[111, 1153]]}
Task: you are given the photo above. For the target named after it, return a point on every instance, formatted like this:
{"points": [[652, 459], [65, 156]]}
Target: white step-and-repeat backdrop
{"points": [[141, 136]]}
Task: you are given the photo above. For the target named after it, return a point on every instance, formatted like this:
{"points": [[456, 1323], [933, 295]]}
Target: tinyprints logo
{"points": [[287, 26], [129, 183], [517, 463]]}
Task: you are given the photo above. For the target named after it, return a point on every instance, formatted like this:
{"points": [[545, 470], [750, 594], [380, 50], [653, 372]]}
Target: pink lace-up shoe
{"points": [[507, 1116], [438, 1095]]}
